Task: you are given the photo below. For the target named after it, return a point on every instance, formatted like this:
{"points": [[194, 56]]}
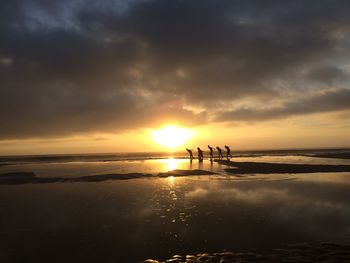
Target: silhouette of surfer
{"points": [[211, 149], [200, 154], [219, 152], [228, 152], [190, 151]]}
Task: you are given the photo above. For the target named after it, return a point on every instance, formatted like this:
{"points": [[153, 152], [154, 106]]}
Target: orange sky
{"points": [[307, 132]]}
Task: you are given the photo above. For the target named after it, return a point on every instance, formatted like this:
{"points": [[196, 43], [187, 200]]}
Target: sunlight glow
{"points": [[171, 136], [171, 181], [171, 164]]}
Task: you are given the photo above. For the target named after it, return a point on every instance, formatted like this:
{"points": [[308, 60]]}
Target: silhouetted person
{"points": [[190, 151], [228, 152], [200, 154], [219, 152], [211, 149]]}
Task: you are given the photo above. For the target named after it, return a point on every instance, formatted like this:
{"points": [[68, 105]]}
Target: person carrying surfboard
{"points": [[211, 149], [200, 154], [228, 152], [190, 151], [219, 152]]}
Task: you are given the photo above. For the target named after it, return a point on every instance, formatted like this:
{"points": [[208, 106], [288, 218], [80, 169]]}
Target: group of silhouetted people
{"points": [[211, 153]]}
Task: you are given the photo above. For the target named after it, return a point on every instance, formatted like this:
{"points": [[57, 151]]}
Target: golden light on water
{"points": [[171, 181], [171, 164], [171, 136]]}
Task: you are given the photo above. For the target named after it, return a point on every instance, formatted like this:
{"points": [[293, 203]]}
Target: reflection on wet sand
{"points": [[78, 169], [170, 206], [279, 213], [160, 217], [262, 215], [170, 163], [18, 178], [303, 252]]}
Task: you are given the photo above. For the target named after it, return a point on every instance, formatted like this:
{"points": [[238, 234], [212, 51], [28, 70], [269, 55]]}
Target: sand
{"points": [[304, 252], [30, 177], [136, 216], [237, 169], [179, 172], [345, 155], [281, 168]]}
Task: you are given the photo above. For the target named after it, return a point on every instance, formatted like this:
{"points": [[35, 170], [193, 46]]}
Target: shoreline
{"points": [[18, 178], [340, 153], [236, 169]]}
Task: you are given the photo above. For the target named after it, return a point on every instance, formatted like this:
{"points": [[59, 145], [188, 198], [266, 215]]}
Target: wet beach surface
{"points": [[281, 168], [240, 168], [159, 217], [16, 178], [302, 252]]}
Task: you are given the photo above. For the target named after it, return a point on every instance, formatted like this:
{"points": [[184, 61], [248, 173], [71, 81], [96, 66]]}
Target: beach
{"points": [[255, 207]]}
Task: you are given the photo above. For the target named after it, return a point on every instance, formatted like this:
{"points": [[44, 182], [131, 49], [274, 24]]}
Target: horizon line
{"points": [[177, 151]]}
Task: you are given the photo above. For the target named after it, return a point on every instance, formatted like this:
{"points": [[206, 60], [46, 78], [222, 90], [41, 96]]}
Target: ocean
{"points": [[128, 156]]}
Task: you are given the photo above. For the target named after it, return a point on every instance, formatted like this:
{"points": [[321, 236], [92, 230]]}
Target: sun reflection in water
{"points": [[171, 181], [171, 164]]}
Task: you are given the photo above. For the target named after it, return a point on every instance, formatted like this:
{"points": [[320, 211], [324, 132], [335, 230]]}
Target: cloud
{"points": [[327, 74], [333, 100], [71, 67]]}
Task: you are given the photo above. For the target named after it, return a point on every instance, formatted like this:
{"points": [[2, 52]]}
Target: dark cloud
{"points": [[325, 102], [70, 67], [327, 74]]}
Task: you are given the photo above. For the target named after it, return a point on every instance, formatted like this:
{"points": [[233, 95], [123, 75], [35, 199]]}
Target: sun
{"points": [[171, 136]]}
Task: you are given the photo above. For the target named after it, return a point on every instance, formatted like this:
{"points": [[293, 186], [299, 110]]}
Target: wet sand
{"points": [[281, 168], [345, 155], [178, 172], [132, 211], [17, 178], [238, 169], [303, 252]]}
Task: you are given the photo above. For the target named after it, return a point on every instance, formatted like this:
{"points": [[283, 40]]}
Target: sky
{"points": [[99, 76]]}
